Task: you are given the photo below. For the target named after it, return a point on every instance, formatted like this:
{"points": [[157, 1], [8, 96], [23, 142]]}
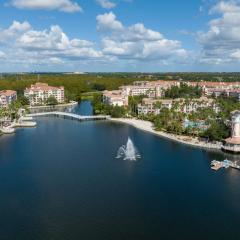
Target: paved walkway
{"points": [[69, 115]]}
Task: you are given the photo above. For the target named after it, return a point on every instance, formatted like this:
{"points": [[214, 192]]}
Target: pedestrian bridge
{"points": [[72, 116]]}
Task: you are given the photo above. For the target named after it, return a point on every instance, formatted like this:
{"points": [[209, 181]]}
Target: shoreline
{"points": [[148, 127], [25, 122], [70, 104]]}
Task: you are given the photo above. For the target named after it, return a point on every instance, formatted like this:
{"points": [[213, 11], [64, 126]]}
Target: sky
{"points": [[119, 35]]}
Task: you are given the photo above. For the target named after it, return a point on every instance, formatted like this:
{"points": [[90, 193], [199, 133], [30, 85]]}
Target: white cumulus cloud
{"points": [[106, 4], [23, 44], [136, 41], [108, 22], [14, 30], [61, 5], [54, 42], [221, 42]]}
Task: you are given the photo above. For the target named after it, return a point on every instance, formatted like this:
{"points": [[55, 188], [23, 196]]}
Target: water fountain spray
{"points": [[128, 151]]}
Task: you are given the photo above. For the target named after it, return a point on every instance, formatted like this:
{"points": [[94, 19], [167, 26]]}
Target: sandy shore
{"points": [[148, 127]]}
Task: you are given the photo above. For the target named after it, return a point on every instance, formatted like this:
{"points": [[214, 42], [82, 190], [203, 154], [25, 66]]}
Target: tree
{"points": [[183, 91], [218, 131], [98, 87], [22, 100], [52, 101], [117, 111], [133, 102], [97, 104], [157, 105]]}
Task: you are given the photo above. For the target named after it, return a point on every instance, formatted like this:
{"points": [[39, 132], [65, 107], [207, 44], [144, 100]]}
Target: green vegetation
{"points": [[75, 85], [51, 101], [88, 96], [172, 120], [100, 108], [217, 131], [169, 121], [183, 91], [227, 105], [204, 114], [11, 112], [133, 104], [200, 76], [23, 101], [88, 86]]}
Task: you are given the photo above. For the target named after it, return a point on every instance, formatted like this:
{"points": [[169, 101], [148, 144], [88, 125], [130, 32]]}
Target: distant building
{"points": [[232, 144], [115, 98], [38, 93], [154, 89], [6, 97], [217, 89]]}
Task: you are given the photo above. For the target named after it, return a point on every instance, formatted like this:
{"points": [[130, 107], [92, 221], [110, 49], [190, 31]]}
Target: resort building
{"points": [[115, 98], [217, 89], [219, 85], [154, 89], [192, 105], [153, 106], [234, 93], [232, 144], [6, 97], [215, 92], [187, 106], [39, 93], [149, 91]]}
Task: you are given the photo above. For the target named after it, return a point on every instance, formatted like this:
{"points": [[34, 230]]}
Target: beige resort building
{"points": [[148, 105], [7, 97], [39, 93], [115, 98]]}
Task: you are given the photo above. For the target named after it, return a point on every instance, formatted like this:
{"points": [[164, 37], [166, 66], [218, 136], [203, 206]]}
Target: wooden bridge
{"points": [[70, 116]]}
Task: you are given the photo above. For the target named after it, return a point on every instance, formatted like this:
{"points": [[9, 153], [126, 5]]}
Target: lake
{"points": [[61, 180]]}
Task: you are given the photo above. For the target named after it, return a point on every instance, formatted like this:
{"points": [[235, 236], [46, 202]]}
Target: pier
{"points": [[216, 165], [72, 116]]}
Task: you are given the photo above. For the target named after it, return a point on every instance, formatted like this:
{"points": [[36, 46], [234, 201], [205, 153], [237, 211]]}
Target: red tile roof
{"points": [[8, 93]]}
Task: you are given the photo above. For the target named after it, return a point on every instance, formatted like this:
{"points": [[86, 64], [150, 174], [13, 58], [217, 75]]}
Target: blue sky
{"points": [[119, 35]]}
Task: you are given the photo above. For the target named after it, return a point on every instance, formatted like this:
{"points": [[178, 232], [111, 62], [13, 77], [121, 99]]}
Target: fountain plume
{"points": [[128, 151]]}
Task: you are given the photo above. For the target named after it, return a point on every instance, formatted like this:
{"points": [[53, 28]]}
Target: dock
{"points": [[216, 165]]}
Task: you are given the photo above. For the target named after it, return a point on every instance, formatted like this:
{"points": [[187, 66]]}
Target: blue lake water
{"points": [[61, 180]]}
